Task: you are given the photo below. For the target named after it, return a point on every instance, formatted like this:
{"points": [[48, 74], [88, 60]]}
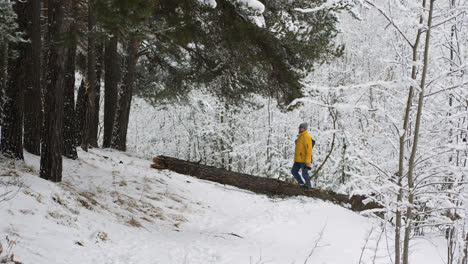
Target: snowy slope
{"points": [[112, 208]]}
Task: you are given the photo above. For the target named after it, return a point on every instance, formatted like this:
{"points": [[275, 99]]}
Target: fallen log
{"points": [[261, 185]]}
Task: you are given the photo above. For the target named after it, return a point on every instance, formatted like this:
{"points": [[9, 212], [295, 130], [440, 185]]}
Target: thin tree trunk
{"points": [[12, 129], [119, 139], [111, 63], [465, 250], [69, 121], [401, 157], [32, 92], [52, 142], [409, 215], [92, 82]]}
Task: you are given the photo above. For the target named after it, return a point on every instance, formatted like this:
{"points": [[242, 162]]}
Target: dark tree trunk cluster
{"points": [[260, 185], [38, 111], [13, 107]]}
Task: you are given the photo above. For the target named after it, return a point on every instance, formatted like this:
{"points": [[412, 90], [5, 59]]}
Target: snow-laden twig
{"points": [[330, 4], [363, 249], [391, 22], [316, 243]]}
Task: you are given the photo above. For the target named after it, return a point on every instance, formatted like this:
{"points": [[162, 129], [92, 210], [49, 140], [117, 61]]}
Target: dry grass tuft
{"points": [[7, 255], [87, 200], [85, 204], [134, 222], [57, 199], [147, 219], [122, 183], [101, 236]]}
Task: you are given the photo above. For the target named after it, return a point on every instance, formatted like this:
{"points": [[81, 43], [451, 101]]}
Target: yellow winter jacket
{"points": [[303, 151]]}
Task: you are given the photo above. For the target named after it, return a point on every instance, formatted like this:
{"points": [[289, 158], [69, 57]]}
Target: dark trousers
{"points": [[305, 174]]}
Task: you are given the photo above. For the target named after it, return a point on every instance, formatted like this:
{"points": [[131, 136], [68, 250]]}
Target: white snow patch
{"points": [[253, 4], [327, 5]]}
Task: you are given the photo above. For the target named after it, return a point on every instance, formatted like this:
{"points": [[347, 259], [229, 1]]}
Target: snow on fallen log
{"points": [[261, 185]]}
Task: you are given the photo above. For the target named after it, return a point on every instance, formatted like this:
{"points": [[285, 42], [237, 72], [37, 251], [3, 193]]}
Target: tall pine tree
{"points": [[52, 143], [87, 132], [69, 121], [32, 92]]}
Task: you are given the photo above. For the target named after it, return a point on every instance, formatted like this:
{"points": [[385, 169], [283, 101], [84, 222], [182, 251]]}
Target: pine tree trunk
{"points": [[119, 139], [12, 129], [97, 97], [32, 92], [92, 81], [111, 65], [80, 112], [69, 120], [52, 142], [409, 209], [3, 73]]}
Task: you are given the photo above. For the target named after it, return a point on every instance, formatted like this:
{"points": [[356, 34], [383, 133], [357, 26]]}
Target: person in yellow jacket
{"points": [[302, 155]]}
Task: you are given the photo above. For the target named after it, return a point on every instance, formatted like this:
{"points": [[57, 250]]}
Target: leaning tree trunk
{"points": [[52, 142], [12, 129], [69, 120], [119, 139], [32, 92], [111, 79], [92, 82], [411, 162], [260, 185]]}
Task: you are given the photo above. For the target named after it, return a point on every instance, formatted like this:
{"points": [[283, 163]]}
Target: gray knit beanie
{"points": [[304, 126]]}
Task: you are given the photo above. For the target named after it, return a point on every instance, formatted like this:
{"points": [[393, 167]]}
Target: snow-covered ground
{"points": [[113, 208]]}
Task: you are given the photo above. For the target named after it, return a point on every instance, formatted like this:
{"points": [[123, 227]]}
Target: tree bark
{"points": [[92, 81], [12, 129], [260, 185], [119, 138], [111, 65], [409, 209], [32, 92], [69, 120], [52, 143]]}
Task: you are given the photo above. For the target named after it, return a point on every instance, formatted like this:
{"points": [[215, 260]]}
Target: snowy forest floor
{"points": [[113, 208]]}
